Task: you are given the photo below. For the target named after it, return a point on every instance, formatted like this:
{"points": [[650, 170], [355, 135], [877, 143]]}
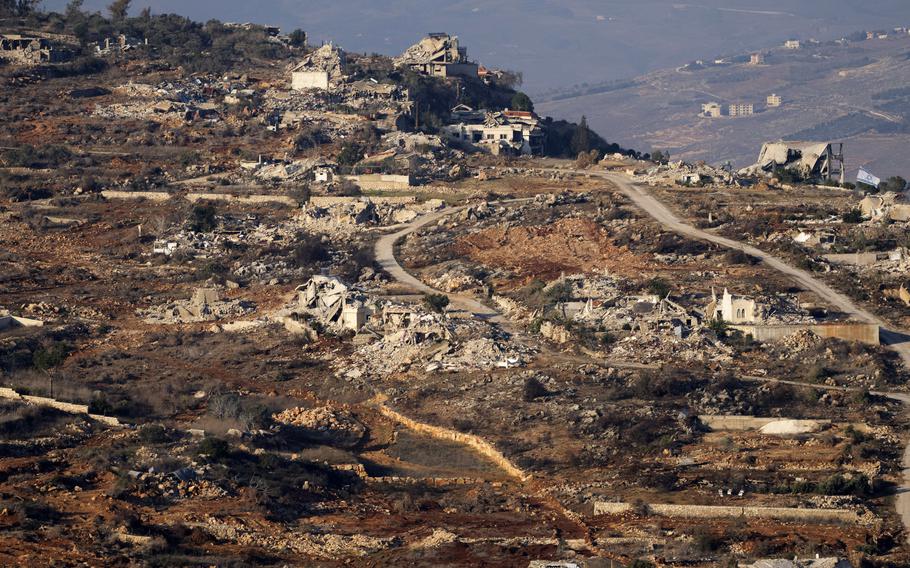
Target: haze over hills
{"points": [[554, 43], [853, 92]]}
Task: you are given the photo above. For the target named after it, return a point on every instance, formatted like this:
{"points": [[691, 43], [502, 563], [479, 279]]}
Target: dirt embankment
{"points": [[545, 251]]}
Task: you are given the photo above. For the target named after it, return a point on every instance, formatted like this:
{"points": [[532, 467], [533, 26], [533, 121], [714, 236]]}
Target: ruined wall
{"points": [[736, 423], [856, 258], [150, 195], [68, 407], [328, 201], [862, 332], [249, 199], [709, 512], [477, 444], [301, 80], [380, 182]]}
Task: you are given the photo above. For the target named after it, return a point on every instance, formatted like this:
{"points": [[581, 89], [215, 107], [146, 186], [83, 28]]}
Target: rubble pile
{"points": [[799, 342], [332, 303], [328, 58], [343, 219], [181, 484], [701, 346], [326, 424], [682, 173], [436, 342], [205, 305], [457, 278], [563, 198], [327, 546]]}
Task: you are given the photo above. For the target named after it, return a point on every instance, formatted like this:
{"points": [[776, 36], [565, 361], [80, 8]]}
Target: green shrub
{"points": [[215, 449], [50, 356], [659, 287], [853, 216], [154, 434], [436, 302], [534, 389], [202, 218]]}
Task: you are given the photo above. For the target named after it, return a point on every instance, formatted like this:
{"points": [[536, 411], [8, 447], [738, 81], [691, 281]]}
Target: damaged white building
{"points": [[438, 55], [321, 69], [818, 160], [503, 132]]}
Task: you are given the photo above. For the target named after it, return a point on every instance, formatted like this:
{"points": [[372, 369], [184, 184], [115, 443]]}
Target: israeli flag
{"points": [[867, 178]]}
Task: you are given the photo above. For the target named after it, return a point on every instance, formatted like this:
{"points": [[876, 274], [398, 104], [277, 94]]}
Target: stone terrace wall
{"points": [[708, 512], [477, 444]]}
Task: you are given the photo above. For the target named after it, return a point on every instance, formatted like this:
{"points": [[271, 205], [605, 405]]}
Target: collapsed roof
{"points": [[811, 159], [435, 48], [327, 58]]}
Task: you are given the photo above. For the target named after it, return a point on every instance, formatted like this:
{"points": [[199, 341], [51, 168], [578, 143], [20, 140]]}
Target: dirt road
{"points": [[385, 256], [897, 340]]}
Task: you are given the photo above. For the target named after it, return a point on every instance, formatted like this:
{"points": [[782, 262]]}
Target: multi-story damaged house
{"points": [[811, 160], [438, 55], [320, 69], [26, 50], [503, 132]]}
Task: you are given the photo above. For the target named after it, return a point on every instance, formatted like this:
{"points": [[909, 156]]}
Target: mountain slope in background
{"points": [[855, 92], [553, 42]]}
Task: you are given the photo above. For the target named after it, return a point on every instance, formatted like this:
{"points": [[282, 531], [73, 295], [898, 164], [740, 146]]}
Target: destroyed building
{"points": [[811, 160], [893, 206], [771, 318], [118, 44], [320, 69], [438, 55], [26, 50], [504, 132], [332, 303]]}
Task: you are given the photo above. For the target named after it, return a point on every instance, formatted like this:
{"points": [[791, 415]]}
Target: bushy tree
{"points": [[119, 9], [18, 7], [894, 183], [74, 10], [350, 154], [202, 218], [298, 38], [660, 157], [521, 101], [581, 138]]}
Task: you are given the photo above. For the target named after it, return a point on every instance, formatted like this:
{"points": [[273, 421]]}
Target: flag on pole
{"points": [[867, 178]]}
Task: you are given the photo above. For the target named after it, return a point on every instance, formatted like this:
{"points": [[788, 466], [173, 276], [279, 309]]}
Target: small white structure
{"points": [[9, 321], [712, 110], [774, 100], [302, 80], [792, 44], [319, 69], [735, 310]]}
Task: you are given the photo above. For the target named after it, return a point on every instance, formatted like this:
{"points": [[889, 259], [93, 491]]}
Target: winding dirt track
{"points": [[897, 340], [385, 256]]}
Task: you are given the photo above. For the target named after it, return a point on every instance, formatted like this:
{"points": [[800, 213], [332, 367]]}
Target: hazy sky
{"points": [[555, 42]]}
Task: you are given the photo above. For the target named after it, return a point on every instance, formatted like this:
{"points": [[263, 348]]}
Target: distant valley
{"points": [[855, 92]]}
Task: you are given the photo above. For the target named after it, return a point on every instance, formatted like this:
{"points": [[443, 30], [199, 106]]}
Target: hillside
{"points": [[555, 43], [848, 92]]}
